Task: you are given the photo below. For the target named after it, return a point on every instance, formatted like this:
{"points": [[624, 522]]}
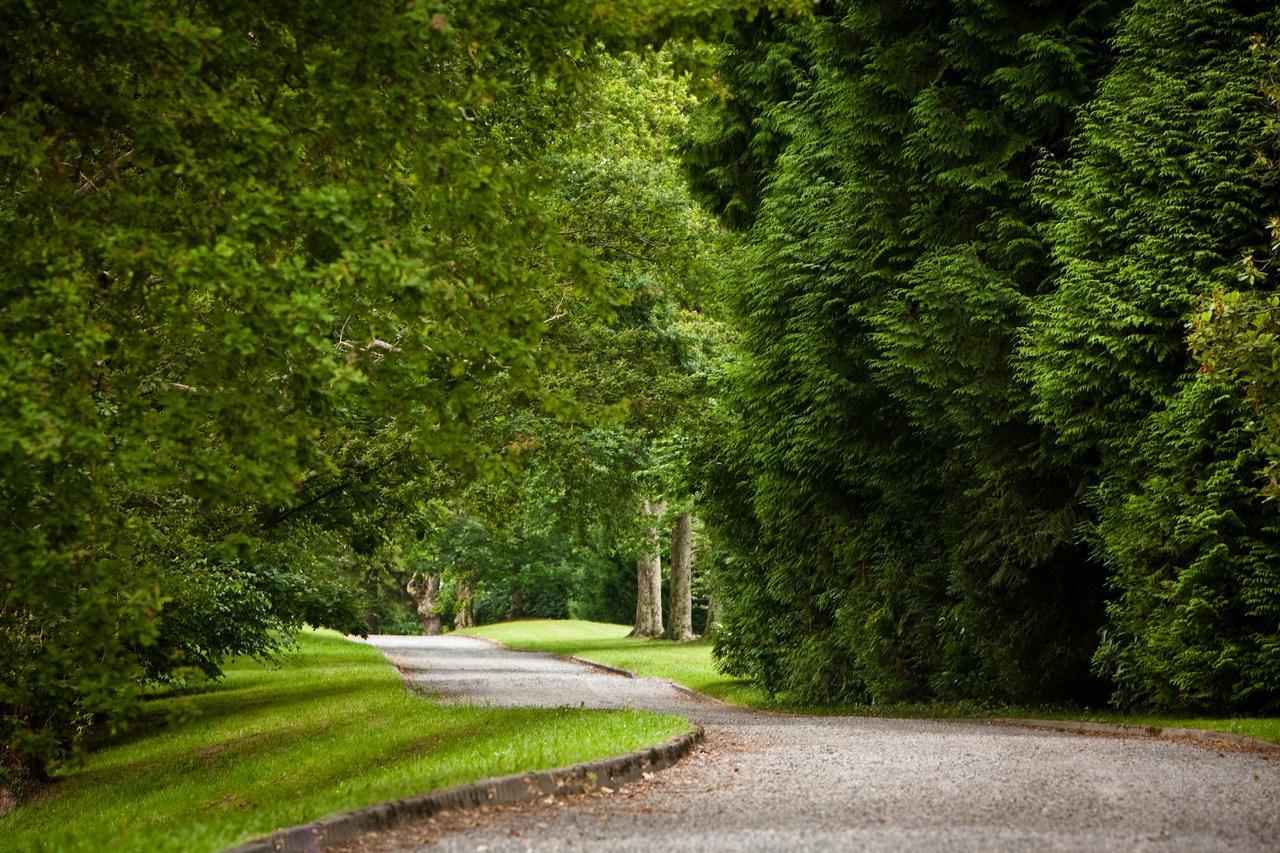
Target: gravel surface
{"points": [[776, 782]]}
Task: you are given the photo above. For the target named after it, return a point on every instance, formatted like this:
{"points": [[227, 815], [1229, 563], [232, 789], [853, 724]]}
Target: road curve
{"points": [[774, 782]]}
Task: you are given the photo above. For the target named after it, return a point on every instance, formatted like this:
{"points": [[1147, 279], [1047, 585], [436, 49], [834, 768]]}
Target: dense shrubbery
{"points": [[972, 456], [1150, 216]]}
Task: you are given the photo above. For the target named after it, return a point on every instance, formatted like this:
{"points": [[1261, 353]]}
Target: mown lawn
{"points": [[326, 728], [690, 664]]}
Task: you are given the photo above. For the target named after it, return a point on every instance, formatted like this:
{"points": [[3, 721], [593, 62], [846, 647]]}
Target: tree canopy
{"points": [[263, 265]]}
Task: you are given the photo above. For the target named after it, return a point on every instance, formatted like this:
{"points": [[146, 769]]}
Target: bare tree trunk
{"points": [[465, 615], [680, 626], [517, 602], [649, 582], [425, 589]]}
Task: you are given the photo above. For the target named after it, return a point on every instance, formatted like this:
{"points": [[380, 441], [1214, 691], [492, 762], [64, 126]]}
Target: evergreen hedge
{"points": [[971, 455]]}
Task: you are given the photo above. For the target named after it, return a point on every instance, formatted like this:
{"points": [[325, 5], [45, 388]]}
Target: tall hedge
{"points": [[972, 456], [906, 530], [1153, 212]]}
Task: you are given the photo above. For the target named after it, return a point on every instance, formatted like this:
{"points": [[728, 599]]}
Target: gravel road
{"points": [[775, 782]]}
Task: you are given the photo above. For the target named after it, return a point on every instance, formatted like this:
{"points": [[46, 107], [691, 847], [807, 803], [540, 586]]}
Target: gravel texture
{"points": [[776, 782]]}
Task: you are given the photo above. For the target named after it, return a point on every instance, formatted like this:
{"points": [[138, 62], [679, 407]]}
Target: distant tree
{"points": [[425, 589], [649, 578]]}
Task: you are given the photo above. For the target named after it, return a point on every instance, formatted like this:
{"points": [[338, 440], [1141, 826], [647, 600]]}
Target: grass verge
{"points": [[326, 728], [690, 664]]}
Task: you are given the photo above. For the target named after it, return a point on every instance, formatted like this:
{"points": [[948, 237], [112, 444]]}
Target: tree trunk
{"points": [[517, 602], [465, 617], [13, 766], [713, 616], [425, 589], [649, 582], [680, 626]]}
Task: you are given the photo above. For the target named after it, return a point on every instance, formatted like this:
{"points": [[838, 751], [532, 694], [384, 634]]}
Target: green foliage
{"points": [[900, 526], [968, 453], [605, 590], [263, 264], [1149, 219]]}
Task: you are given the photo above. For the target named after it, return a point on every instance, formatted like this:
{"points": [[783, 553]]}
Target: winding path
{"points": [[774, 782]]}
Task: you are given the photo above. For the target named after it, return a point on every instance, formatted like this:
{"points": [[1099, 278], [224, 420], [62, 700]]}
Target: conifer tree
{"points": [[1150, 217], [904, 528]]}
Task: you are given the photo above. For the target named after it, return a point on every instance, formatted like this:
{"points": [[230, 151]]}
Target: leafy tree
{"points": [[261, 259]]}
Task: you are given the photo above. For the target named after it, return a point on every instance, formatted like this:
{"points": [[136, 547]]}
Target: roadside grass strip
{"points": [[325, 728], [688, 664], [691, 665]]}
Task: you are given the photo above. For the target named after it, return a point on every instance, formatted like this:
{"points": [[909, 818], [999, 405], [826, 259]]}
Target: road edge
{"points": [[574, 779], [1200, 737]]}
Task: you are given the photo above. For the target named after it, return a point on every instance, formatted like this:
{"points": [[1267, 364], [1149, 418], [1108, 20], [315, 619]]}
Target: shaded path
{"points": [[773, 782]]}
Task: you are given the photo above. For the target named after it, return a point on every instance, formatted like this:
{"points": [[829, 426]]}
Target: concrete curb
{"points": [[1205, 737], [603, 667], [579, 778]]}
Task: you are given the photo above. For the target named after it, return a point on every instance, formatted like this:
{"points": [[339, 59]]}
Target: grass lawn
{"points": [[684, 663], [690, 664], [327, 728]]}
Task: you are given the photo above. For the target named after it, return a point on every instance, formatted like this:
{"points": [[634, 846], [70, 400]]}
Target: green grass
{"points": [[684, 663], [328, 728], [690, 664]]}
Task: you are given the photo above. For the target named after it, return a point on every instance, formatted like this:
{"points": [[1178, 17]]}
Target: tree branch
{"points": [[91, 184]]}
